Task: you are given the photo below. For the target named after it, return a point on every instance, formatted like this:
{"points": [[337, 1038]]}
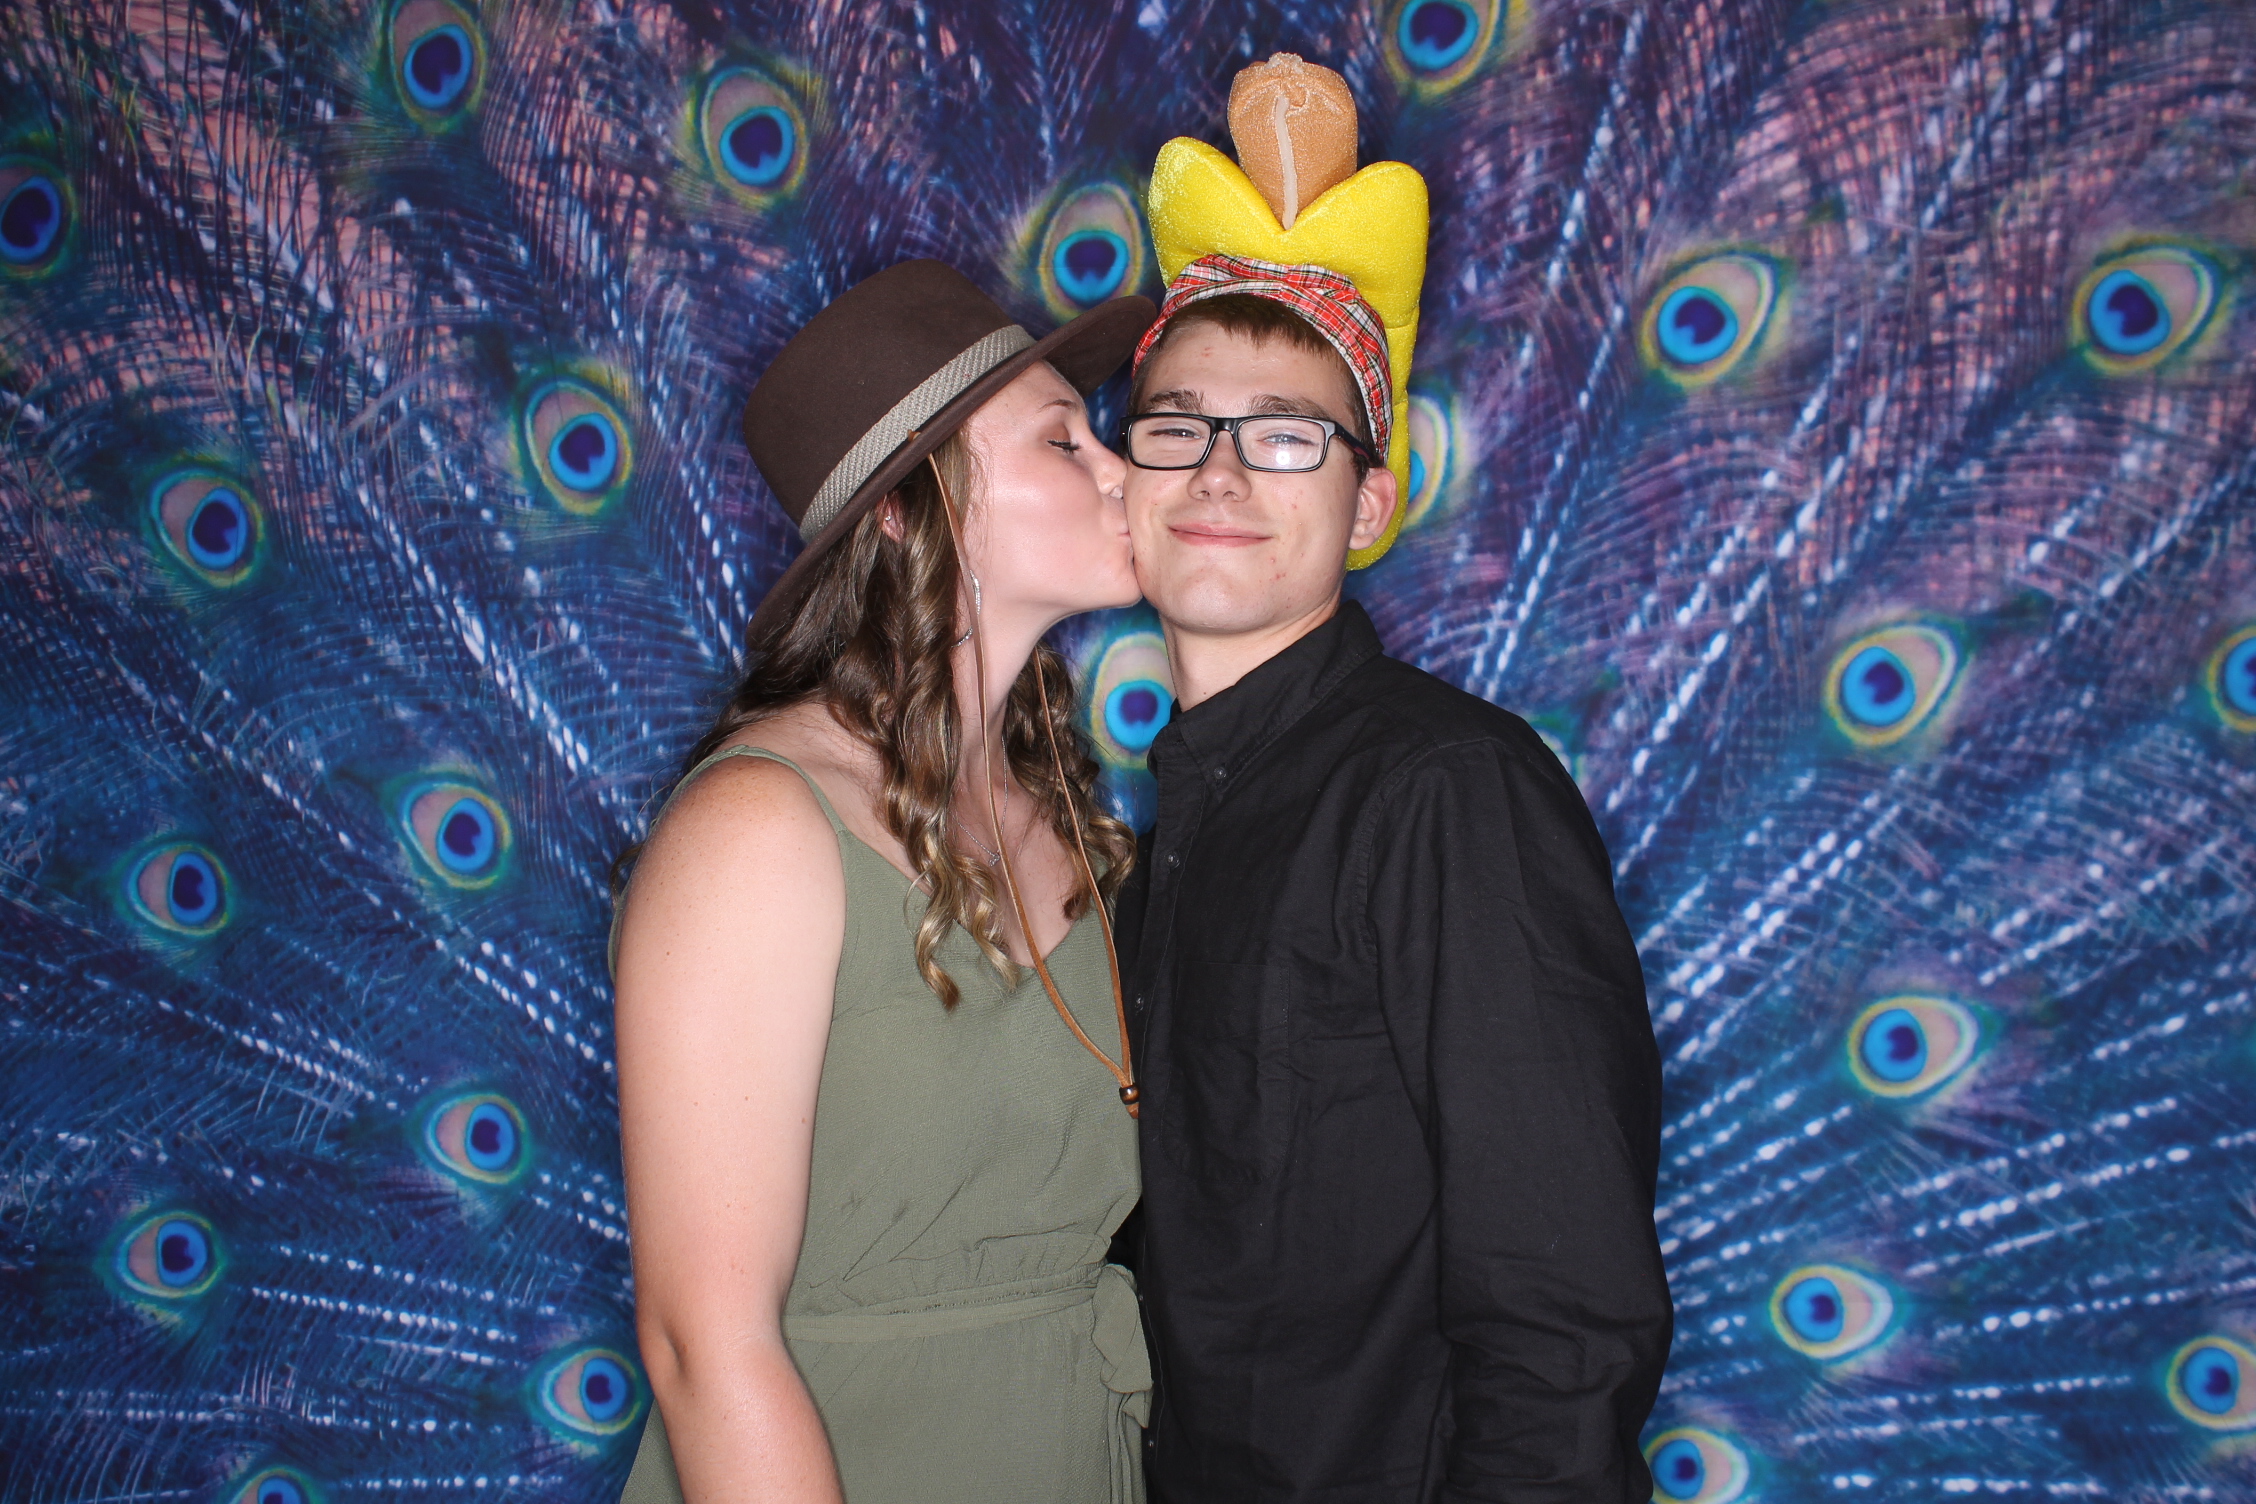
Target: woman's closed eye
{"points": [[1067, 445]]}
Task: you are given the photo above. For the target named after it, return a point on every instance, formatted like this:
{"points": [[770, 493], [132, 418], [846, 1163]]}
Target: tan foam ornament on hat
{"points": [[1293, 124], [1298, 201]]}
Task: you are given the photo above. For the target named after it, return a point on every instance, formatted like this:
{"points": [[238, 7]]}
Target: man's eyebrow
{"points": [[1269, 404], [1177, 399]]}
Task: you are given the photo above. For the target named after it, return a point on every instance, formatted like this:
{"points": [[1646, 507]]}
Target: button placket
{"points": [[1183, 802]]}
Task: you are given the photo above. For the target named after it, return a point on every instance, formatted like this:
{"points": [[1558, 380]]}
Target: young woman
{"points": [[874, 1088]]}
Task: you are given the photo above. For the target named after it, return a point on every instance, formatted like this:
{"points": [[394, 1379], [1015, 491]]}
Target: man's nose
{"points": [[1223, 477]]}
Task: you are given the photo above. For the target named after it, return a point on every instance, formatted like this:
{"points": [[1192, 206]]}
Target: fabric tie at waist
{"points": [[1118, 1334]]}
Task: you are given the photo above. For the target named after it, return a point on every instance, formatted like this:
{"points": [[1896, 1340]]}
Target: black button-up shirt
{"points": [[1401, 1102]]}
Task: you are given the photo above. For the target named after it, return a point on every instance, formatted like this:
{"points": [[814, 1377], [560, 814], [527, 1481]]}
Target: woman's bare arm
{"points": [[728, 954]]}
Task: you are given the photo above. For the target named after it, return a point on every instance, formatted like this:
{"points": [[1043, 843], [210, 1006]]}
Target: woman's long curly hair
{"points": [[873, 641]]}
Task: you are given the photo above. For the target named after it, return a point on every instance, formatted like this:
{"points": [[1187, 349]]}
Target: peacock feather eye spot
{"points": [[1435, 45], [438, 55], [183, 1253], [1136, 712], [1814, 1309], [466, 836], [208, 523], [593, 1392], [2128, 316], [604, 1389], [2136, 310], [1694, 1466], [1091, 249], [1907, 1046], [579, 445], [438, 67], [219, 529], [756, 147], [172, 1256], [1877, 688], [1888, 683], [1132, 696], [275, 1485], [1435, 33], [1696, 326], [2232, 679], [1707, 317], [1895, 1047], [459, 831], [1826, 1312], [1432, 440], [1679, 1470], [753, 134], [192, 893], [1089, 264], [585, 452], [478, 1136], [491, 1142], [2212, 1383], [181, 888], [33, 216]]}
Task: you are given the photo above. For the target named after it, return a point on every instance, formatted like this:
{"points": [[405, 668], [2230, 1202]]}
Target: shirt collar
{"points": [[1233, 727]]}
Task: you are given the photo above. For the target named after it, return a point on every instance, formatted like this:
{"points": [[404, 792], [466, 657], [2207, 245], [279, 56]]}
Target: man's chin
{"points": [[1211, 603]]}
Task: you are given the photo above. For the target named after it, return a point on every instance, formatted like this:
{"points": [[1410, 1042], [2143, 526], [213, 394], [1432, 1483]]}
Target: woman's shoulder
{"points": [[759, 789], [743, 857]]}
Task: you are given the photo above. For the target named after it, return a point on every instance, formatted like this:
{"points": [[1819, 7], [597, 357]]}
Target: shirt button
{"points": [[1139, 1004], [1174, 859], [1220, 774]]}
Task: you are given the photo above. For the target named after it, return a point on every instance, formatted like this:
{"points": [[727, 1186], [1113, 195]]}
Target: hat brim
{"points": [[1085, 352]]}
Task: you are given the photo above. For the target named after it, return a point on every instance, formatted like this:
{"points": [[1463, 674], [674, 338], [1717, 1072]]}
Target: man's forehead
{"points": [[1222, 365], [1189, 399]]}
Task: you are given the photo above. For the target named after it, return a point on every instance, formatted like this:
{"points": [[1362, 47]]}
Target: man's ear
{"points": [[889, 517], [1375, 501]]}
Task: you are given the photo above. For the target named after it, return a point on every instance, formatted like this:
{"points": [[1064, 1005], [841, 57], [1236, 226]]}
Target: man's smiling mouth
{"points": [[1214, 534]]}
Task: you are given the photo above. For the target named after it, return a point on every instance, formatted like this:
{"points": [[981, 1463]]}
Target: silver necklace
{"points": [[994, 857]]}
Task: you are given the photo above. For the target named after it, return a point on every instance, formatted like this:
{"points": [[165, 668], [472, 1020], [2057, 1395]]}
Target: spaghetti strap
{"points": [[837, 826], [821, 798]]}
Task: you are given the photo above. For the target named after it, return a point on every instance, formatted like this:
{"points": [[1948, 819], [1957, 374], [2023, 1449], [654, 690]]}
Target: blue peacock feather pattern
{"points": [[1831, 430]]}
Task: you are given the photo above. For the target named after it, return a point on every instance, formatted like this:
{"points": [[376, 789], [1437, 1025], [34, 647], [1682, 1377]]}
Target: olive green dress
{"points": [[952, 1311]]}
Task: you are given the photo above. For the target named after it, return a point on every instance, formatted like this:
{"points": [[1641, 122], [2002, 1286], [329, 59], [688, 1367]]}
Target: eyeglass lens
{"points": [[1166, 442]]}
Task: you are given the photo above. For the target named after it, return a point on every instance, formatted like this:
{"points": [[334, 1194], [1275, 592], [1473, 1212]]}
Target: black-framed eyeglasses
{"points": [[1264, 441]]}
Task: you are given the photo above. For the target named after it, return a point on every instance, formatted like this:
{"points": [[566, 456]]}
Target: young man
{"points": [[1401, 1100]]}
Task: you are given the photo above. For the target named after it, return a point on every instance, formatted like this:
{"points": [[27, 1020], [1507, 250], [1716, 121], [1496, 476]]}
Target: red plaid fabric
{"points": [[1325, 298]]}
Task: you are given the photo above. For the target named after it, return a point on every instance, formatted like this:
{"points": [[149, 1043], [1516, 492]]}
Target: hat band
{"points": [[908, 415]]}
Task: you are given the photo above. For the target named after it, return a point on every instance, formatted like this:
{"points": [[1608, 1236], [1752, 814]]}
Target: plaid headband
{"points": [[1324, 298]]}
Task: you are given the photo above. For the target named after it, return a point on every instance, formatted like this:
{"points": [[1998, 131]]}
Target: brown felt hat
{"points": [[881, 378]]}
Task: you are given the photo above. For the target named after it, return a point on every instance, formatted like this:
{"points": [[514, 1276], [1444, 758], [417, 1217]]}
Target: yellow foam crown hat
{"points": [[1285, 119]]}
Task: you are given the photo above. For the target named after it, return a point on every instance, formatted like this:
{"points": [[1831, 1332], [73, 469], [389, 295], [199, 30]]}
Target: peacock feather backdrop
{"points": [[1833, 431]]}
